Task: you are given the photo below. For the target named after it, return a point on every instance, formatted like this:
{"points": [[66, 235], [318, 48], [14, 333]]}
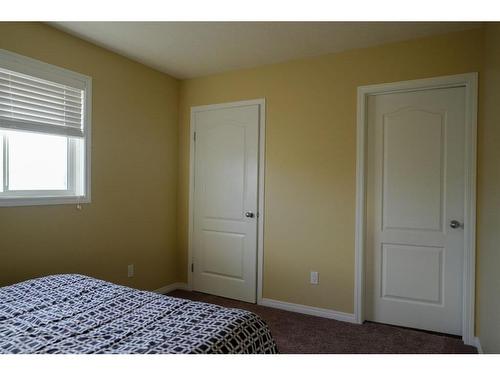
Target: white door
{"points": [[415, 209], [225, 195]]}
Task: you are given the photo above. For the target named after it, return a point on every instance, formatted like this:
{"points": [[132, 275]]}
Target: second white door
{"points": [[415, 209], [225, 200]]}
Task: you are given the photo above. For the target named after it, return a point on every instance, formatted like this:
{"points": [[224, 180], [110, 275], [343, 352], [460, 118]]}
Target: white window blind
{"points": [[45, 133], [33, 104]]}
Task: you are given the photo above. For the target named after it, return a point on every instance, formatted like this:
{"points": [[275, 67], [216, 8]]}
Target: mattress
{"points": [[79, 314]]}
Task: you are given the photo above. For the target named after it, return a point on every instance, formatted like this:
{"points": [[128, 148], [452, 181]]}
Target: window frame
{"points": [[25, 65]]}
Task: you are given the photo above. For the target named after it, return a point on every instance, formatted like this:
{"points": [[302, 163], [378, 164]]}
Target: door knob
{"points": [[249, 214], [455, 224]]}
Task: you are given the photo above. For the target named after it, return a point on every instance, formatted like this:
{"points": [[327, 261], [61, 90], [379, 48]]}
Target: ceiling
{"points": [[194, 49]]}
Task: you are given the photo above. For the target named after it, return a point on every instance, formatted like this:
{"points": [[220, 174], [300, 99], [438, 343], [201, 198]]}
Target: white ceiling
{"points": [[194, 49]]}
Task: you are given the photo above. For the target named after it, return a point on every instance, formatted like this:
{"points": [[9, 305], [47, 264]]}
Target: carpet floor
{"points": [[304, 334]]}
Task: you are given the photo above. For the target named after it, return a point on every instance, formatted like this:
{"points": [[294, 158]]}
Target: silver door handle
{"points": [[249, 214], [455, 224]]}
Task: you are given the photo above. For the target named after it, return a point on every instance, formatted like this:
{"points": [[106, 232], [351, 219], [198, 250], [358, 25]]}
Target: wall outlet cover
{"points": [[314, 277], [130, 270]]}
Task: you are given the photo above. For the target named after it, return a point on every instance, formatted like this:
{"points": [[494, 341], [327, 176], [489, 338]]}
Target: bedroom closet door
{"points": [[415, 209], [224, 200]]}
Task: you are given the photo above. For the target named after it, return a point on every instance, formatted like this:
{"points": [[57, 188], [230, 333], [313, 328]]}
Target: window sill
{"points": [[42, 201]]}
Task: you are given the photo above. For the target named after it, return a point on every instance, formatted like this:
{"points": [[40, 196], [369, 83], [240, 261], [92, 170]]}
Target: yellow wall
{"points": [[132, 217], [311, 152], [488, 225]]}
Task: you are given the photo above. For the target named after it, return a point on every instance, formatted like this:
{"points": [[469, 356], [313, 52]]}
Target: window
{"points": [[44, 133]]}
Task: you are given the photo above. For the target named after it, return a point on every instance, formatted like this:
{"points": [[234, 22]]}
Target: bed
{"points": [[79, 314]]}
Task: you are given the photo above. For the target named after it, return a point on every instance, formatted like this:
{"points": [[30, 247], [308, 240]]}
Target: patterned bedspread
{"points": [[80, 314]]}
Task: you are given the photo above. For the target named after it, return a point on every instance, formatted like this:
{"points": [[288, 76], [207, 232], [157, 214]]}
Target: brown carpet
{"points": [[299, 333]]}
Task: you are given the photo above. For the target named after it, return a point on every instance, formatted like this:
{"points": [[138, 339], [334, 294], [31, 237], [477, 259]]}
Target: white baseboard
{"points": [[477, 344], [171, 287], [308, 310]]}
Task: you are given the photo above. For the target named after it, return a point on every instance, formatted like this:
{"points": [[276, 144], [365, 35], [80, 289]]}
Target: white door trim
{"points": [[261, 175], [469, 81]]}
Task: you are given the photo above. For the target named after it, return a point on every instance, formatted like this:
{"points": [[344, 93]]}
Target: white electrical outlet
{"points": [[314, 277], [130, 272]]}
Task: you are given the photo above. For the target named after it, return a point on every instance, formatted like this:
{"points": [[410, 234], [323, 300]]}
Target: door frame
{"points": [[260, 184], [469, 81]]}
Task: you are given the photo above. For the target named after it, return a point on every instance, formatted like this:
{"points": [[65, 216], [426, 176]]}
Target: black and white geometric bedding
{"points": [[80, 314]]}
